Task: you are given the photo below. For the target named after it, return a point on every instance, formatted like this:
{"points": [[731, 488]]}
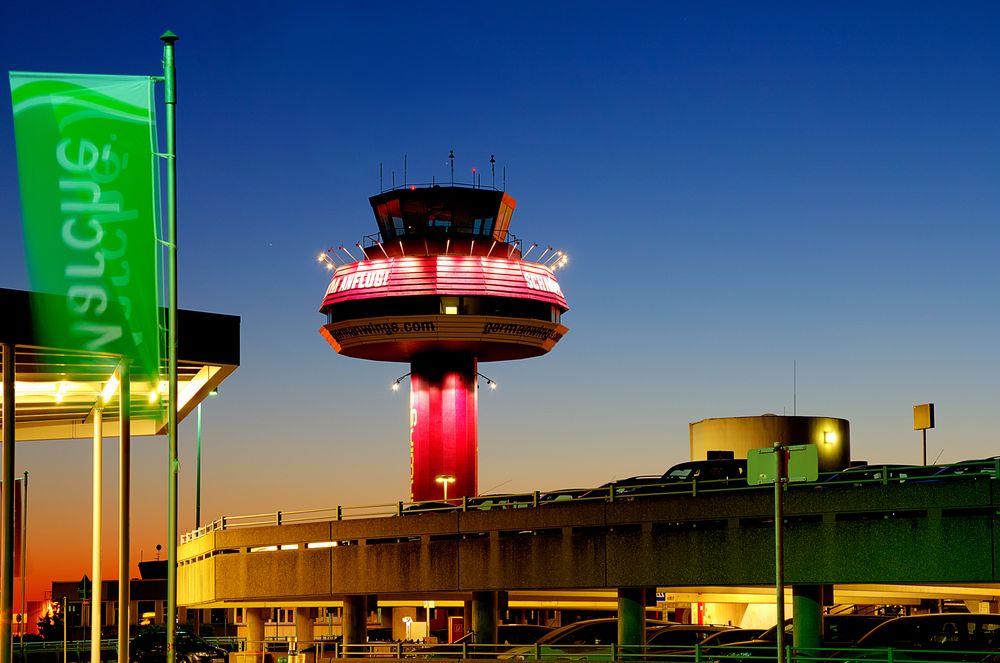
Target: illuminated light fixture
{"points": [[513, 247], [363, 252], [444, 480], [322, 544], [402, 251], [379, 244], [829, 437], [395, 384], [264, 549], [61, 391], [533, 246], [555, 257], [344, 249], [489, 381], [289, 546], [541, 258], [109, 388], [492, 246], [154, 395]]}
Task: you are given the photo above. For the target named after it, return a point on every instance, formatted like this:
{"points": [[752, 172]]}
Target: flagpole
{"points": [[170, 100]]}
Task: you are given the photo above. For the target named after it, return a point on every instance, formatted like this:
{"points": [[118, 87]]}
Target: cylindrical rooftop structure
{"points": [[832, 436]]}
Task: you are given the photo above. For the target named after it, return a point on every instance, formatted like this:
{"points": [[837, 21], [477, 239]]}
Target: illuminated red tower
{"points": [[443, 286]]}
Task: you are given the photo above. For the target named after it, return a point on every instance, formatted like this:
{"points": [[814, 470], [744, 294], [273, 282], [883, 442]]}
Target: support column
{"points": [[255, 629], [355, 621], [7, 502], [484, 617], [443, 426], [124, 504], [631, 619], [807, 627], [304, 618], [95, 551]]}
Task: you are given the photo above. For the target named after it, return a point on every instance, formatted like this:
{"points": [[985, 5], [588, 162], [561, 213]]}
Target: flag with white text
{"points": [[86, 150]]}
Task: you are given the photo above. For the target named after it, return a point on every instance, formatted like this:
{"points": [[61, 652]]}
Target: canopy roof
{"points": [[57, 391]]}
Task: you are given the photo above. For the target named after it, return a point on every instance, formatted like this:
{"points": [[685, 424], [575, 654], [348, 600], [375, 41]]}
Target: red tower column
{"points": [[443, 426]]}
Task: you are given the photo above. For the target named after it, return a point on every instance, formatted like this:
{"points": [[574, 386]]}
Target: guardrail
{"points": [[864, 476], [613, 652]]}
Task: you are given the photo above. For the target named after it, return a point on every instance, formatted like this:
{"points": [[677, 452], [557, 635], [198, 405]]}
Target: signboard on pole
{"points": [[90, 206], [803, 464]]}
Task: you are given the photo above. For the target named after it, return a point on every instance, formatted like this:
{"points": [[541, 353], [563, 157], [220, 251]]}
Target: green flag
{"points": [[90, 210]]}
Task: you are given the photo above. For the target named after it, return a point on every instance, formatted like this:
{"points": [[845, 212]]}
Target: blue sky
{"points": [[739, 186]]}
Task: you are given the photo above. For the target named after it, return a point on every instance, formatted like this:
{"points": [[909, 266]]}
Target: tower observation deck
{"points": [[443, 286]]}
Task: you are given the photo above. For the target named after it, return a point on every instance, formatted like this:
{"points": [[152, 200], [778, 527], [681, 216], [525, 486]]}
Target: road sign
{"points": [[803, 464]]}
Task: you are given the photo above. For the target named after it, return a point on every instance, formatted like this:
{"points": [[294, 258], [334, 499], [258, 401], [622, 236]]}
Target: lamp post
{"points": [[444, 480]]}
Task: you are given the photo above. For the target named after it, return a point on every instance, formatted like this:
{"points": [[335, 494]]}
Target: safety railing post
{"points": [[399, 508], [465, 649], [538, 652], [277, 517], [399, 649], [534, 499], [614, 651], [340, 512]]}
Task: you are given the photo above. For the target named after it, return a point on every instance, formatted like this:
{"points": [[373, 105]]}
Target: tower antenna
{"points": [[505, 178], [493, 171], [451, 159], [795, 387], [404, 170], [381, 189]]}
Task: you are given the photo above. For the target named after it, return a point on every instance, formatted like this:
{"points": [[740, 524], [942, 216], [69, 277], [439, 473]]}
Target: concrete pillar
{"points": [[807, 607], [631, 619], [255, 628], [304, 618], [355, 622], [466, 617], [484, 617]]}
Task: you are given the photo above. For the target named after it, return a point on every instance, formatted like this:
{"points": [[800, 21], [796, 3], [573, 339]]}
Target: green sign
{"points": [[803, 464], [90, 209]]}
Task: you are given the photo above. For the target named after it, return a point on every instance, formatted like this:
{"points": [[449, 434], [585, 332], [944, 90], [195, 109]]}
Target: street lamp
{"points": [[444, 480]]}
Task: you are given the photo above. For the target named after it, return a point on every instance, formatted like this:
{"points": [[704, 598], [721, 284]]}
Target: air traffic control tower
{"points": [[443, 285]]}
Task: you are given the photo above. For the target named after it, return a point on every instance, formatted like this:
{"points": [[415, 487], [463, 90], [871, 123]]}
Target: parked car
{"points": [[717, 473], [838, 631], [873, 474], [623, 487], [589, 639], [731, 635], [428, 507], [150, 646], [942, 637], [985, 467], [508, 636], [490, 502], [680, 636]]}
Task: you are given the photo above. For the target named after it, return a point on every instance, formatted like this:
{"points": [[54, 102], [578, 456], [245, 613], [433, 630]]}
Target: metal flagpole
{"points": [[124, 504], [95, 555], [24, 561], [7, 505], [781, 472], [197, 481], [170, 100]]}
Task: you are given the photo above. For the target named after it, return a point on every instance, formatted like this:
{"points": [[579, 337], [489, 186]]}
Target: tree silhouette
{"points": [[50, 624]]}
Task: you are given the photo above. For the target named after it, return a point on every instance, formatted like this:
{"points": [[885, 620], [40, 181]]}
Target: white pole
{"points": [[95, 555]]}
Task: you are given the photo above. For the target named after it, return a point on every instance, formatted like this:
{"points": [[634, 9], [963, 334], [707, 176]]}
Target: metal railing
{"points": [[866, 476]]}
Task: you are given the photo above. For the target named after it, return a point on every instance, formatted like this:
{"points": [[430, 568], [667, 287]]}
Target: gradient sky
{"points": [[739, 186]]}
